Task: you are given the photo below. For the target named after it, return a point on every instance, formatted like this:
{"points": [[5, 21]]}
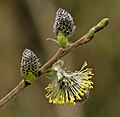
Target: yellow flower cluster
{"points": [[70, 87]]}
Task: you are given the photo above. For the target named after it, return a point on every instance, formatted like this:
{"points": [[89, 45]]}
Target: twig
{"points": [[22, 84], [60, 53], [86, 38]]}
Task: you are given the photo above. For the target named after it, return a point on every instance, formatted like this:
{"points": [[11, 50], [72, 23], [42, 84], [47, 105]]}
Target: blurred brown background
{"points": [[28, 23]]}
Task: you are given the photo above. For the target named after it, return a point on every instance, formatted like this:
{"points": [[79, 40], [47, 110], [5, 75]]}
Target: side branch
{"points": [[86, 38]]}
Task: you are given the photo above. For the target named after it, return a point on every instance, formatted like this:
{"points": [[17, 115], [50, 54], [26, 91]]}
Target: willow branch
{"points": [[60, 53], [86, 38], [22, 84]]}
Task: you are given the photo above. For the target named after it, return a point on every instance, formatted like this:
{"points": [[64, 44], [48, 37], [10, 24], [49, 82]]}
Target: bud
{"points": [[103, 23], [63, 23], [30, 66]]}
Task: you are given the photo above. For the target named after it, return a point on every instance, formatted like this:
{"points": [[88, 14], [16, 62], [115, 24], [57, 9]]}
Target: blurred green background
{"points": [[28, 23]]}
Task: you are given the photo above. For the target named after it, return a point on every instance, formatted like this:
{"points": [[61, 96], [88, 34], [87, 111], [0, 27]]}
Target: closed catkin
{"points": [[30, 66], [64, 23]]}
